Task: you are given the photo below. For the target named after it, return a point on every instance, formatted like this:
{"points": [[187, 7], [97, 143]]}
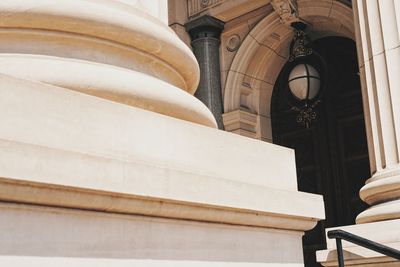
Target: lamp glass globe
{"points": [[304, 82]]}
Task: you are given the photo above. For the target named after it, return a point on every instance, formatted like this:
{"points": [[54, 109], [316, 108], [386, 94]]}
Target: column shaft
{"points": [[205, 34], [377, 36]]}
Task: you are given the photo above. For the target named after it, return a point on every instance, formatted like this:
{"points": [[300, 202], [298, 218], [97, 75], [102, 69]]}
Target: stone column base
{"points": [[382, 192]]}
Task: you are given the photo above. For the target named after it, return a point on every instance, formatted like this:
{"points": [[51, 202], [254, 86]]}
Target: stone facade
{"points": [[109, 160]]}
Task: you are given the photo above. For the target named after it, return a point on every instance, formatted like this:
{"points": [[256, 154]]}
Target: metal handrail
{"points": [[363, 242]]}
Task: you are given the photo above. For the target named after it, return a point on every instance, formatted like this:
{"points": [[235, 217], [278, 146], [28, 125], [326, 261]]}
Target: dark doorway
{"points": [[332, 155]]}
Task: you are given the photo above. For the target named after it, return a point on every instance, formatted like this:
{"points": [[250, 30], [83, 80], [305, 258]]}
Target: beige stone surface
{"points": [[177, 18], [155, 8], [61, 262], [177, 12], [148, 41], [287, 10], [94, 144], [84, 238], [378, 38], [182, 33], [66, 46], [121, 85], [240, 119], [67, 120]]}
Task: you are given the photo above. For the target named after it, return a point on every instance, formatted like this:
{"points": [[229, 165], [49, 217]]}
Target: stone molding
{"points": [[241, 122], [224, 10], [246, 123], [233, 43], [197, 6], [198, 207]]}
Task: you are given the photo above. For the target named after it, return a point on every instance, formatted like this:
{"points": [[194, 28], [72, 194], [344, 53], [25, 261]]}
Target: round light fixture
{"points": [[304, 82]]}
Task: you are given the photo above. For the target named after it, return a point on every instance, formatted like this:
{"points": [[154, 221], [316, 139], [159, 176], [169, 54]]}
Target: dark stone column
{"points": [[205, 33]]}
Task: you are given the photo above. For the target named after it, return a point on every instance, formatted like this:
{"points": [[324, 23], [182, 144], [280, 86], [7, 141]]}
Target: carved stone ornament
{"points": [[287, 10], [233, 43], [204, 3]]}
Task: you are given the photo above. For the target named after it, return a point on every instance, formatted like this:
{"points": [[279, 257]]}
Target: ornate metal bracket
{"points": [[307, 114], [298, 48]]}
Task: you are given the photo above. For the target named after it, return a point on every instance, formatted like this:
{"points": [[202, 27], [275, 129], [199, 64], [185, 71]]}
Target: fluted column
{"points": [[377, 31], [205, 34]]}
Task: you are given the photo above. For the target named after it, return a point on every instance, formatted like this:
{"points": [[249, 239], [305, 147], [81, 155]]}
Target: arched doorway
{"points": [[255, 66], [332, 155]]}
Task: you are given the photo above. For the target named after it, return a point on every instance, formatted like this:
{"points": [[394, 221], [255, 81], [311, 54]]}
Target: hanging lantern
{"points": [[304, 80]]}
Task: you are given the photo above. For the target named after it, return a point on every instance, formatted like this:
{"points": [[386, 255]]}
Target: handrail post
{"points": [[339, 250]]}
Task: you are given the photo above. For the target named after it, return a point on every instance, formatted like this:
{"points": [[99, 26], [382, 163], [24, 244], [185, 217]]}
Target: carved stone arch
{"points": [[260, 58]]}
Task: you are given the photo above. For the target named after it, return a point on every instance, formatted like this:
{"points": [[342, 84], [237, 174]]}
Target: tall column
{"points": [[205, 34], [377, 32]]}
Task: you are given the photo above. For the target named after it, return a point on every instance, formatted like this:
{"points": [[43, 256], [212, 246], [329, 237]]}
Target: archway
{"points": [[263, 53], [332, 155]]}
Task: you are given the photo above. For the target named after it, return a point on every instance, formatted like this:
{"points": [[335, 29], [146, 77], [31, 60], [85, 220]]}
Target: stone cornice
{"points": [[224, 10], [271, 211], [197, 6]]}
